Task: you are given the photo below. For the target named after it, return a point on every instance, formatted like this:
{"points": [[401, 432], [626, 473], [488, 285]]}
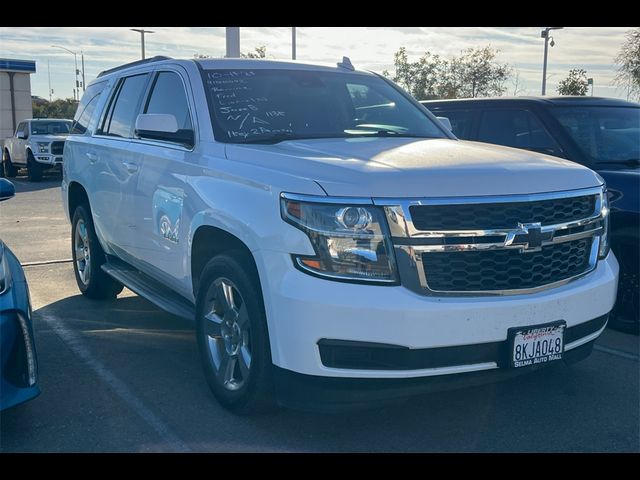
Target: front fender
{"points": [[250, 214]]}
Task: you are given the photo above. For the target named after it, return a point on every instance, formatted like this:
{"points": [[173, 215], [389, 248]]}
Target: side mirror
{"points": [[445, 121], [7, 190], [21, 135], [162, 126]]}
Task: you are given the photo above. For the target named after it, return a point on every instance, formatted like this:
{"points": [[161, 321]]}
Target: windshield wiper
{"points": [[373, 130], [630, 162], [268, 140], [348, 134]]}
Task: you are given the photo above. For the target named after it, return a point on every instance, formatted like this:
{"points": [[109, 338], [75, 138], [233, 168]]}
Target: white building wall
{"points": [[22, 96]]}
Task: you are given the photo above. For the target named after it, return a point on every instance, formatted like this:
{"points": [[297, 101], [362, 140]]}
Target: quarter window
{"points": [[86, 108]]}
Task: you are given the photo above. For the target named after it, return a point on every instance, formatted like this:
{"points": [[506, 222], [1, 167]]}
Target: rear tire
{"points": [[9, 169], [232, 335], [88, 258], [34, 169]]}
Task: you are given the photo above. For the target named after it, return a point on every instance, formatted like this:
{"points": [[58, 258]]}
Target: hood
{"points": [[49, 138], [405, 167]]}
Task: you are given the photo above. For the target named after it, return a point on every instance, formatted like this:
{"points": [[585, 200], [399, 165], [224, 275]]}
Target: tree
{"points": [[475, 73], [479, 74], [259, 52], [61, 108], [575, 84], [517, 88], [629, 60]]}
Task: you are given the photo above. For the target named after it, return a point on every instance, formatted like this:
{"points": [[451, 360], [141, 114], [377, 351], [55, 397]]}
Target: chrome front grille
{"points": [[466, 246]]}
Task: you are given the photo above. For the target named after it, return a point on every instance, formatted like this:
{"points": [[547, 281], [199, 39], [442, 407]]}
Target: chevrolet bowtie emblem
{"points": [[528, 236]]}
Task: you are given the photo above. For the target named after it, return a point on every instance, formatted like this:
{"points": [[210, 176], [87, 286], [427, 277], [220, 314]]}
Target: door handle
{"points": [[93, 158], [131, 167]]}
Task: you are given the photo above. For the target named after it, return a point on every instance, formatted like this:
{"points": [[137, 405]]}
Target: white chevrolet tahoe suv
{"points": [[335, 244], [37, 145]]}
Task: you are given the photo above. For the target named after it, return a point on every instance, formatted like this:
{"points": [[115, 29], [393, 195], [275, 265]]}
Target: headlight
{"points": [[351, 242], [43, 147], [5, 277], [604, 238]]}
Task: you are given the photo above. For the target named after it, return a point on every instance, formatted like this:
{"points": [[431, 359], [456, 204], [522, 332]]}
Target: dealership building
{"points": [[15, 94]]}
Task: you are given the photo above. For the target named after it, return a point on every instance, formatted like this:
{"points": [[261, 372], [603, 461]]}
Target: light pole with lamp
{"points": [[76, 91], [545, 34], [142, 32]]}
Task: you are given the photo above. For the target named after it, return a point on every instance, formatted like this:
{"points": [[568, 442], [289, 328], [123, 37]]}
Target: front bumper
{"points": [[48, 159], [333, 394], [304, 311], [15, 387]]}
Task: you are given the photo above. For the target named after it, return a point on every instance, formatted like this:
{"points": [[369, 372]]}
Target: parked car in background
{"points": [[37, 145], [601, 133], [18, 362], [334, 243]]}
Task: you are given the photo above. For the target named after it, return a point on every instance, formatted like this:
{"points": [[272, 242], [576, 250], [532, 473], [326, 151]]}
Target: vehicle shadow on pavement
{"points": [[560, 408], [23, 185]]}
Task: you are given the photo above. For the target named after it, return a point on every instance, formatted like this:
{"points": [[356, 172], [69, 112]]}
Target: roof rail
{"points": [[157, 58]]}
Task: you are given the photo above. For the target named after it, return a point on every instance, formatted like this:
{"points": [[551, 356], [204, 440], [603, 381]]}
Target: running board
{"points": [[151, 289]]}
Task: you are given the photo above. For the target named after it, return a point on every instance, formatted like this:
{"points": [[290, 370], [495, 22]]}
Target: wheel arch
{"points": [[209, 241], [77, 195]]}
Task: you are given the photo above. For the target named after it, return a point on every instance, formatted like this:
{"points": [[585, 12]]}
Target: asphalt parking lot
{"points": [[122, 376]]}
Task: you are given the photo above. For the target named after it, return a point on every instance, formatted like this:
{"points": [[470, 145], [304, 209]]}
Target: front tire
{"points": [[34, 169], [9, 169], [232, 334], [88, 258]]}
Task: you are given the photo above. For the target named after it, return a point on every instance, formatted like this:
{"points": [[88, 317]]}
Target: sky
{"points": [[370, 48]]}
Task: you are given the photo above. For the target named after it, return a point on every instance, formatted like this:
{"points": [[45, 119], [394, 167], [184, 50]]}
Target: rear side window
{"points": [[168, 96], [461, 121], [86, 108], [516, 128], [124, 106]]}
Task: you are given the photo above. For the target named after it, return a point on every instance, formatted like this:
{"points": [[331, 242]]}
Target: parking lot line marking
{"points": [[46, 262], [75, 343], [616, 352]]}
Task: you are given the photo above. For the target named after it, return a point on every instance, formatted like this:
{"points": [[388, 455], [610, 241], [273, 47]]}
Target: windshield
{"points": [[59, 127], [265, 106], [607, 135]]}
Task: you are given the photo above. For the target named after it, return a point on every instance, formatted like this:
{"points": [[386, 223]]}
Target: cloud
{"points": [[368, 47]]}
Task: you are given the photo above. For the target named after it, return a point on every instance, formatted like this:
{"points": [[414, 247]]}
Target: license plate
{"points": [[537, 344]]}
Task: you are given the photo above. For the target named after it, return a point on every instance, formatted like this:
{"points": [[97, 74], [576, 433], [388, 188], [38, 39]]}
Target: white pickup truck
{"points": [[36, 145]]}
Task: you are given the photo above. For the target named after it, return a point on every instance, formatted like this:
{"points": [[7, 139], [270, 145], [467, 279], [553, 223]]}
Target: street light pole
{"points": [[83, 82], [142, 32], [293, 43], [76, 91], [49, 75], [545, 34]]}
